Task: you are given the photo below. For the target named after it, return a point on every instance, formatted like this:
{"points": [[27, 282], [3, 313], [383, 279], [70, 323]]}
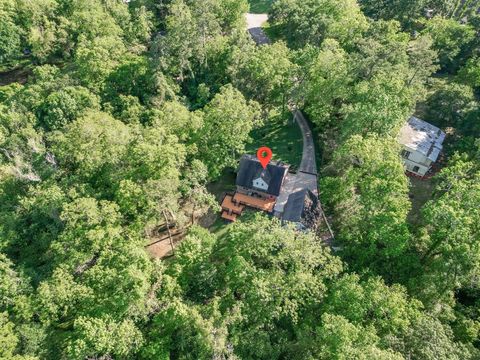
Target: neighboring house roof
{"points": [[250, 169], [302, 207], [422, 137]]}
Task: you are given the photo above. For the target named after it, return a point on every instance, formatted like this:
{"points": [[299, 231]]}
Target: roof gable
{"points": [[250, 169]]}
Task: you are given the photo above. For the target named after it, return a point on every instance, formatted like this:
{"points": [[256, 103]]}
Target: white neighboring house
{"points": [[422, 144]]}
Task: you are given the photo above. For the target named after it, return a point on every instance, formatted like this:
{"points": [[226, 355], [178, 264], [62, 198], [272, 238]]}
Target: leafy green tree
{"points": [[312, 21], [96, 337], [327, 83], [18, 335], [340, 339], [449, 240], [450, 39], [66, 105], [9, 340], [195, 190], [232, 13], [91, 143], [383, 49], [134, 76], [14, 291], [422, 60], [379, 106], [174, 51], [470, 73], [178, 120], [101, 273], [267, 75], [429, 339], [450, 104], [92, 19], [37, 213], [153, 163], [40, 25], [369, 195], [141, 25], [405, 11], [264, 278], [228, 119], [9, 38], [95, 60]]}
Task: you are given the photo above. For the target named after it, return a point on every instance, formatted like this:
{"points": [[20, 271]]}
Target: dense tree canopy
{"points": [[119, 122]]}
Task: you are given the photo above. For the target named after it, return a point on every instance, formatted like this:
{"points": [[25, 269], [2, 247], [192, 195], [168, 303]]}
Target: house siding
{"points": [[250, 192], [416, 159]]}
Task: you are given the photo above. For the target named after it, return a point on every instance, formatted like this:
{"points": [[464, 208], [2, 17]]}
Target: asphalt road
{"points": [[254, 26], [308, 163]]}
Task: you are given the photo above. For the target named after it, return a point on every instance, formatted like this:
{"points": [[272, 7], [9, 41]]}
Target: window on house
{"points": [[415, 169], [406, 154]]}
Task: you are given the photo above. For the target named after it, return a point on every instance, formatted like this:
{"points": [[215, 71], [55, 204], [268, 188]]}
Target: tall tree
{"points": [[312, 21], [267, 75], [369, 194], [228, 119], [327, 83], [379, 106], [449, 242], [9, 37], [451, 40]]}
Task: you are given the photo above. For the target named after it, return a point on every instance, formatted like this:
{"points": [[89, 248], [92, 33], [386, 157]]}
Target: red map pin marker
{"points": [[264, 154]]}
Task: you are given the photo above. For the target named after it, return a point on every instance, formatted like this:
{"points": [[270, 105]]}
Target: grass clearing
{"points": [[420, 192], [273, 32], [283, 136], [260, 6]]}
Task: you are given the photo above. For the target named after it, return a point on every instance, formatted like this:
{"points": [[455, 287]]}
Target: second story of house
{"points": [[421, 145], [253, 179]]}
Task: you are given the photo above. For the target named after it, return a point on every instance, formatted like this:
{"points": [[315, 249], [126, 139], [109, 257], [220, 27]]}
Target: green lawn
{"points": [[260, 6], [281, 135]]}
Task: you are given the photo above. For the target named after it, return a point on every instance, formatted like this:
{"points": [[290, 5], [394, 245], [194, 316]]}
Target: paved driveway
{"points": [[306, 177], [254, 26], [308, 163]]}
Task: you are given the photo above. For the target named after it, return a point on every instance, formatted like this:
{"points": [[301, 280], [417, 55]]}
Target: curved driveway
{"points": [[308, 163], [306, 178]]}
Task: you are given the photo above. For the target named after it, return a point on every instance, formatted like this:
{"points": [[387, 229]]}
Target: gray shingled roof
{"points": [[251, 169], [302, 206], [423, 137]]}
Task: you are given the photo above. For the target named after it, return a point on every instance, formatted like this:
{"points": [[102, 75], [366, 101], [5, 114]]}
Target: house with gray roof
{"points": [[276, 191], [422, 144], [254, 180]]}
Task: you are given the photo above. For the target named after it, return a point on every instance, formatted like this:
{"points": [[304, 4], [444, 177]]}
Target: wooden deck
{"points": [[230, 207], [257, 203], [225, 215]]}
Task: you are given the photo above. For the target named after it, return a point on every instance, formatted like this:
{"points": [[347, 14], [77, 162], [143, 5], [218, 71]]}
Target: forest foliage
{"points": [[131, 108]]}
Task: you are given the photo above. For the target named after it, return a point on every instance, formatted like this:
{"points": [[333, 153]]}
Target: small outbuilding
{"points": [[422, 144]]}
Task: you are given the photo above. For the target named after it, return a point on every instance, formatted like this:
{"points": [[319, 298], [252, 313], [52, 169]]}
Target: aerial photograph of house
{"points": [[239, 179], [422, 146], [273, 190]]}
